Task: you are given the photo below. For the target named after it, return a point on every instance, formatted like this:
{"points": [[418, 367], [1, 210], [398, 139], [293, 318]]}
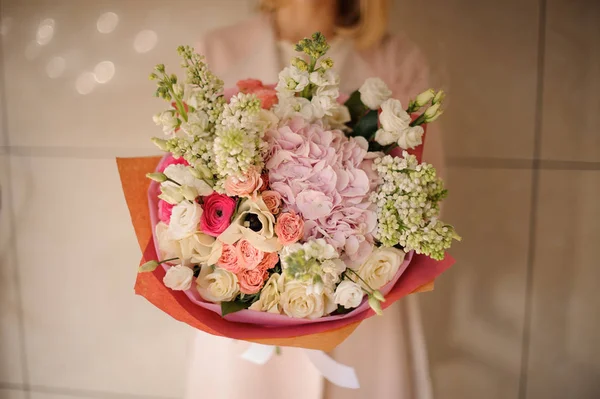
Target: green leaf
{"points": [[233, 306], [367, 125], [342, 310], [356, 107]]}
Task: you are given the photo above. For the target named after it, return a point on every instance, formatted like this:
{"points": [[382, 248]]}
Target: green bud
{"points": [[158, 177], [160, 68], [327, 63], [439, 96], [148, 266], [160, 143], [375, 305], [378, 295], [432, 112], [153, 76], [300, 63], [437, 115], [424, 98]]}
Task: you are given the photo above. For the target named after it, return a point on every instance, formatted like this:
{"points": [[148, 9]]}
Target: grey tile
{"points": [[474, 318], [485, 55], [564, 356], [571, 118]]}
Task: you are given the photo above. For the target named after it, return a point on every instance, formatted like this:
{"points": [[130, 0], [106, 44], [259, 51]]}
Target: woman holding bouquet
{"points": [[388, 353]]}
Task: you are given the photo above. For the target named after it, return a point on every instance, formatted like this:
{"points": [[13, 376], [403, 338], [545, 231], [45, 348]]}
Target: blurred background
{"points": [[517, 316]]}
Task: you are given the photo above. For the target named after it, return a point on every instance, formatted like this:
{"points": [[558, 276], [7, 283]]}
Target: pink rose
{"points": [[267, 97], [269, 261], [251, 281], [272, 200], [229, 259], [289, 228], [248, 256], [249, 85], [245, 187], [171, 160], [164, 211], [216, 217]]}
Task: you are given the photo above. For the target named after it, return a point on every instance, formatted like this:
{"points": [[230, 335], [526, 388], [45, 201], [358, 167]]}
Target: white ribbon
{"points": [[336, 373]]}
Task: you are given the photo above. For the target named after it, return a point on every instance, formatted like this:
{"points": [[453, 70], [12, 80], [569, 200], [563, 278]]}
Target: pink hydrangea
{"points": [[320, 175]]}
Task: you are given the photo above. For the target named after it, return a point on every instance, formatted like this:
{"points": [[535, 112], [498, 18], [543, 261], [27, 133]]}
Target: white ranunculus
{"points": [[185, 217], [200, 248], [393, 117], [179, 278], [385, 137], [296, 302], [168, 120], [381, 267], [411, 137], [169, 248], [348, 294], [374, 92], [332, 270], [270, 295], [183, 175], [216, 284]]}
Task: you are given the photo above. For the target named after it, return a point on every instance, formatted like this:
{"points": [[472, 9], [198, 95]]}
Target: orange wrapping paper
{"points": [[322, 336]]}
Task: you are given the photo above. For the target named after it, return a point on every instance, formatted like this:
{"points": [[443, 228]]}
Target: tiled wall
{"points": [[516, 317]]}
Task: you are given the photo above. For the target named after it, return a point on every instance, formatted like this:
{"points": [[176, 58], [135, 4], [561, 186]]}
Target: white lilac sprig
{"points": [[407, 201]]}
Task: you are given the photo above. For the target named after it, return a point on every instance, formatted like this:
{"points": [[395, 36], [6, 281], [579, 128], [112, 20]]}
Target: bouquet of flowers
{"points": [[286, 214]]}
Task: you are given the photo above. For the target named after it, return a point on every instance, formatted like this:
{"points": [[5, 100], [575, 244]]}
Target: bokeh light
{"points": [[45, 32], [145, 41], [107, 22], [55, 67], [104, 71], [85, 83]]}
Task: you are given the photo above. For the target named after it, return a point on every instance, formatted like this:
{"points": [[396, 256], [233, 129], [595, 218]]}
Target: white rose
{"points": [[348, 294], [411, 137], [182, 174], [385, 137], [168, 121], [381, 267], [216, 284], [184, 219], [168, 247], [393, 117], [270, 295], [332, 269], [179, 278], [374, 92], [297, 302]]}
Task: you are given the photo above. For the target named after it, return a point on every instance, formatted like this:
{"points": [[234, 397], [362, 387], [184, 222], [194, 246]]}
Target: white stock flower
{"points": [[393, 117], [348, 294], [297, 302], [374, 92], [292, 79], [196, 125], [385, 137], [381, 267], [179, 278], [319, 249], [339, 117], [185, 217], [270, 295], [183, 175], [216, 284], [167, 120], [325, 78], [411, 137]]}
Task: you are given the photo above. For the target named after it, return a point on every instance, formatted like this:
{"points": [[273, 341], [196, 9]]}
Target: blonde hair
{"points": [[364, 21]]}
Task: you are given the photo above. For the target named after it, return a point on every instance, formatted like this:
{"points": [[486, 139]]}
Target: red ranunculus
{"points": [[218, 209]]}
